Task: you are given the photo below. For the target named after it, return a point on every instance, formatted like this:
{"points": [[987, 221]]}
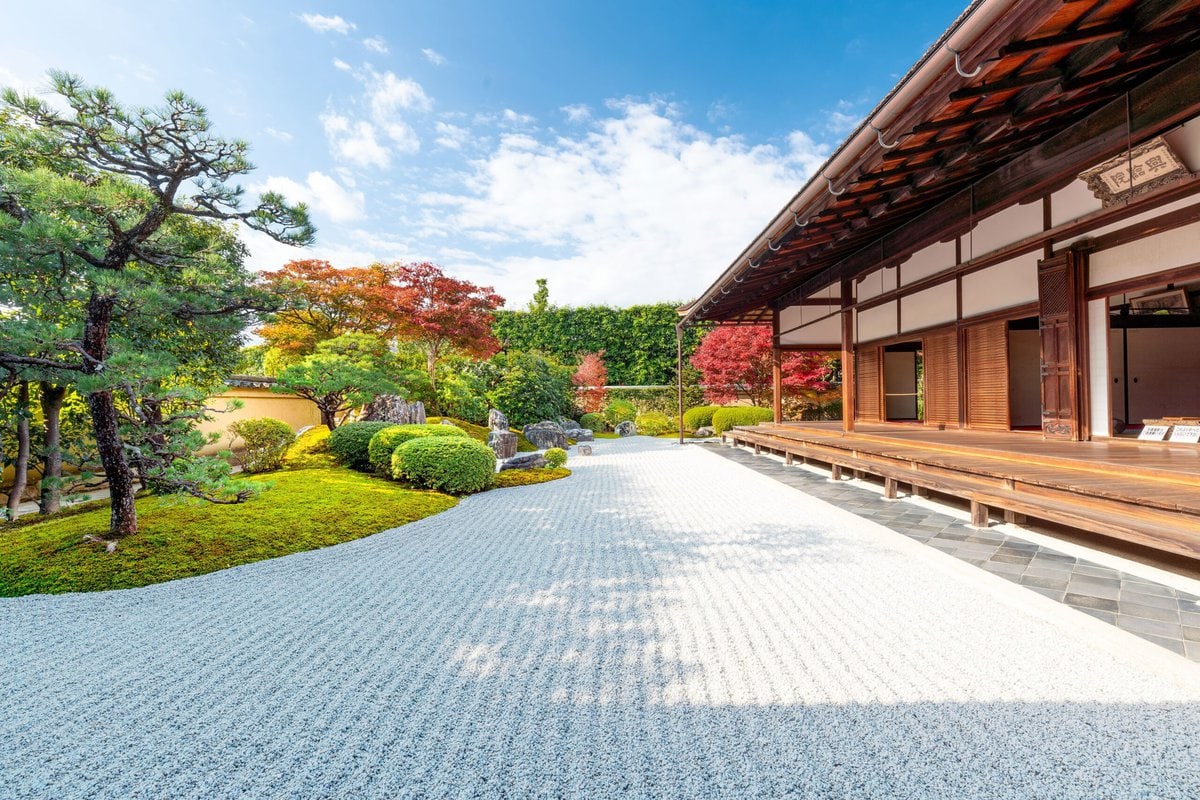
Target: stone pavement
{"points": [[1147, 608], [663, 623]]}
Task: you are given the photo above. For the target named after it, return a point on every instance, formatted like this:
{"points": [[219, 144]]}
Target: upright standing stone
{"points": [[503, 444], [626, 428], [395, 409], [496, 420]]}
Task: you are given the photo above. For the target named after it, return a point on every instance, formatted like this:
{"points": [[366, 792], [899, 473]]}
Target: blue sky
{"points": [[625, 151]]}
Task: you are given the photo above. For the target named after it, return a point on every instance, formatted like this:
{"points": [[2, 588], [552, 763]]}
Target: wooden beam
{"points": [[1094, 33], [848, 373], [1006, 84], [776, 371]]}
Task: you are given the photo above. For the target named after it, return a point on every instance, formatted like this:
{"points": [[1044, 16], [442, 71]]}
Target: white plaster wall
{"points": [[1004, 227], [1166, 250], [1125, 223], [878, 322], [876, 283], [1185, 142], [1099, 381], [826, 331], [1072, 202], [931, 260], [832, 292], [794, 316], [929, 307], [1009, 283]]}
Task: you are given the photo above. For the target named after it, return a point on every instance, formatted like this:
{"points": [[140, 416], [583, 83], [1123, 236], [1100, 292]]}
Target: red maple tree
{"points": [[439, 313], [590, 377], [737, 358]]}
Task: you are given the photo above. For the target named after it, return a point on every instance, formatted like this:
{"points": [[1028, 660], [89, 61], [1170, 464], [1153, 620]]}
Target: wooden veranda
{"points": [[1147, 493]]}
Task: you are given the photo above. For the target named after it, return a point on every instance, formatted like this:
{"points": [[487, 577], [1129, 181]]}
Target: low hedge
{"points": [[593, 422], [725, 418], [385, 442], [618, 411], [699, 417], [451, 464], [349, 443], [652, 423]]}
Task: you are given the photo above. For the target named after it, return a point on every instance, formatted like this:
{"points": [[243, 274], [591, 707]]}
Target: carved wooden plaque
{"points": [[1139, 170]]}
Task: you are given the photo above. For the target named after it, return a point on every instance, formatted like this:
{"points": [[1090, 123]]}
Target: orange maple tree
{"points": [[590, 377]]}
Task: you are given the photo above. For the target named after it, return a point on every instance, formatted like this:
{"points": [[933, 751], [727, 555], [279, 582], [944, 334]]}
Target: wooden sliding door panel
{"points": [[867, 389], [941, 378], [987, 375], [1058, 321]]}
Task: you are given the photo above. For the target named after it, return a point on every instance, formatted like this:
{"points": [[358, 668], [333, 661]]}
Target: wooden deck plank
{"points": [[1148, 494]]}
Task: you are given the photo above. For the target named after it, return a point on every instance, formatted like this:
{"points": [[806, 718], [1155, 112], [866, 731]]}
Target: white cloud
{"points": [[577, 112], [376, 43], [282, 136], [354, 141], [842, 119], [321, 192], [640, 207], [323, 24], [342, 65], [451, 136], [433, 56]]}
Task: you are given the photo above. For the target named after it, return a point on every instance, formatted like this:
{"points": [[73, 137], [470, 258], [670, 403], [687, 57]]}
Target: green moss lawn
{"points": [[527, 477], [304, 509]]}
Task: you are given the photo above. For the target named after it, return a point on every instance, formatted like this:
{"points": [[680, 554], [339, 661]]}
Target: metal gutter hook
{"points": [[958, 64], [879, 137], [737, 279], [772, 247], [799, 224], [838, 193], [752, 264]]}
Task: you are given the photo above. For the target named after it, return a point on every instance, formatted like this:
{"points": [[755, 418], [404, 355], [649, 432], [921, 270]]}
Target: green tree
{"points": [[528, 388], [113, 215], [343, 374]]}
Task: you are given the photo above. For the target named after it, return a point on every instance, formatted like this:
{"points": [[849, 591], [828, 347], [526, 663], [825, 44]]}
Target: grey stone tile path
{"points": [[1157, 613], [664, 623]]}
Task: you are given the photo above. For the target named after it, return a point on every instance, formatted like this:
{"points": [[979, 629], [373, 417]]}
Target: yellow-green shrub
{"points": [[385, 442], [446, 463], [726, 418]]}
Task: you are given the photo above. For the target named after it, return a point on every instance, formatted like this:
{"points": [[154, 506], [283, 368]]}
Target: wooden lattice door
{"points": [[1058, 322]]}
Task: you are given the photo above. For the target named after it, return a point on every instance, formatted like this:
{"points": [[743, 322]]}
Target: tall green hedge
{"points": [[725, 418], [638, 342]]}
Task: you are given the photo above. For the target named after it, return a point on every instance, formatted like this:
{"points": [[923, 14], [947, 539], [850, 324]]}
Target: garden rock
{"points": [[569, 426], [582, 435], [503, 444], [394, 409], [524, 461], [705, 431], [626, 428], [585, 449], [545, 435], [497, 421]]}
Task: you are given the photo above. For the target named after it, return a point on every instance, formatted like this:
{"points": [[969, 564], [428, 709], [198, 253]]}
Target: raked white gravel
{"points": [[664, 623]]}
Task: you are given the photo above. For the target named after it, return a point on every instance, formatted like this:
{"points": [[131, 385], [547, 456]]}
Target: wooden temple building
{"points": [[1006, 255]]}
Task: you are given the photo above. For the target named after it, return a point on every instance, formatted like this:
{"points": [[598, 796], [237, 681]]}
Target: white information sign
{"points": [[1189, 434], [1154, 433]]}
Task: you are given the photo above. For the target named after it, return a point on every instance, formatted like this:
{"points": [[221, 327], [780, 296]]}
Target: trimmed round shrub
{"points": [[726, 418], [699, 417], [349, 442], [652, 423], [593, 422], [555, 457], [267, 442], [451, 464], [619, 411], [385, 442]]}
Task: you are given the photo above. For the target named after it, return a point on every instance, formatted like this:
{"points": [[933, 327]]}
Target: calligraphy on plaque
{"points": [[1134, 172]]}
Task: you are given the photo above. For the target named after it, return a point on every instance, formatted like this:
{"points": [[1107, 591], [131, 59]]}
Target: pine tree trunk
{"points": [[53, 397], [21, 465], [105, 421], [328, 419]]}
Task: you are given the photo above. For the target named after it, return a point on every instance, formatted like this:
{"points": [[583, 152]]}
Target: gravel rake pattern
{"points": [[664, 623]]}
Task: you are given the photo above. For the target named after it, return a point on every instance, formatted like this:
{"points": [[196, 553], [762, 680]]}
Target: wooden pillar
{"points": [[776, 369], [679, 374], [889, 488], [835, 472], [1012, 517], [848, 374], [787, 459], [979, 514], [919, 491]]}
